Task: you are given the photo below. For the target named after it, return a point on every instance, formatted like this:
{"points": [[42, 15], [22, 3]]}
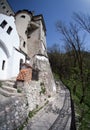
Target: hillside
{"points": [[65, 68]]}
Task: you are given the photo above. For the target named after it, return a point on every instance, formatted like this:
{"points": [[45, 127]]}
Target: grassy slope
{"points": [[82, 110]]}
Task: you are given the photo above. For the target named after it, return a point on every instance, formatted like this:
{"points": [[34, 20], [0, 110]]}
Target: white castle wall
{"points": [[8, 53]]}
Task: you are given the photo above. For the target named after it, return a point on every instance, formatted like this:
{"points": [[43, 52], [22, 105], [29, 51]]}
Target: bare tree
{"points": [[71, 37], [83, 21]]}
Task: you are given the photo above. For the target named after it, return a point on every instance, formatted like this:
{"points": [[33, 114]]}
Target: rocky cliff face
{"points": [[15, 107], [41, 63], [42, 85], [13, 111], [35, 92]]}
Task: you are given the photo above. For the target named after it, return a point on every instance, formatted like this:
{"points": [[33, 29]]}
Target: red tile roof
{"points": [[25, 75]]}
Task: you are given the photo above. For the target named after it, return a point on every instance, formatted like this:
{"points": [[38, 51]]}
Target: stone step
{"points": [[8, 83], [9, 89], [12, 79], [6, 93]]}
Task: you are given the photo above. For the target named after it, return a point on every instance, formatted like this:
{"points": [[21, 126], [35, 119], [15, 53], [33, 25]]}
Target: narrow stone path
{"points": [[63, 121], [54, 116]]}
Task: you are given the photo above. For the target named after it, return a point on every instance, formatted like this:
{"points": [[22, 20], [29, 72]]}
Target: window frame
{"points": [[24, 44], [3, 24], [3, 64], [9, 30]]}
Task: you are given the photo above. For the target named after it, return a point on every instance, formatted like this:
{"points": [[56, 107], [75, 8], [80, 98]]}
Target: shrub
{"points": [[19, 91], [43, 89]]}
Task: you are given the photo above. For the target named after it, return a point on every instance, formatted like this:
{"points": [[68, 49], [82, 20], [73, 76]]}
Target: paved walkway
{"points": [[54, 116]]}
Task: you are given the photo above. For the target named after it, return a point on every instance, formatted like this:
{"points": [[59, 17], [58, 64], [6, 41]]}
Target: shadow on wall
{"points": [[35, 74]]}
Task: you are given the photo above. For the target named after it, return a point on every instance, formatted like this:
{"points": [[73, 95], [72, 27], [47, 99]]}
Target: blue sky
{"points": [[53, 10]]}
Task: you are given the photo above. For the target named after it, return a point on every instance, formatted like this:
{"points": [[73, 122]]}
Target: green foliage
{"points": [[56, 76], [23, 125], [41, 84], [46, 103], [34, 111], [69, 72], [43, 89], [37, 106], [19, 91], [31, 113], [82, 109]]}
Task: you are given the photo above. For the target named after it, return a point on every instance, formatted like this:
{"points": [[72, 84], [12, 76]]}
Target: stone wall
{"points": [[25, 75], [13, 112], [7, 10], [35, 96], [33, 43], [34, 92], [41, 63]]}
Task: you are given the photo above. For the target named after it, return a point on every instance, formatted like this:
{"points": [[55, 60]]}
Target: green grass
{"points": [[82, 109], [34, 111], [43, 89], [37, 109], [19, 91]]}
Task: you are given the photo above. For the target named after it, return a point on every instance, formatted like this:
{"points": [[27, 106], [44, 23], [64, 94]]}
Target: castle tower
{"points": [[23, 19], [32, 32], [5, 8], [37, 37]]}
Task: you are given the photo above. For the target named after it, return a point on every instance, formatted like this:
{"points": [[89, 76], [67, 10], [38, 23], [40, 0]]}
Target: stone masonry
{"points": [[45, 75], [13, 112]]}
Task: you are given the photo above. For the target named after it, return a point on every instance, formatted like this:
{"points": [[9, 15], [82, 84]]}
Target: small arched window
{"points": [[3, 7], [21, 62], [7, 11], [22, 16], [24, 44], [3, 64]]}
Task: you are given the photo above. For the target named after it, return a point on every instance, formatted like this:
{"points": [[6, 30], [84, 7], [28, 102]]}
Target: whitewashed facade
{"points": [[10, 55]]}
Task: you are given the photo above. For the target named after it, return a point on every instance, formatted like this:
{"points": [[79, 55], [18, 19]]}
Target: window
{"points": [[24, 44], [9, 30], [2, 3], [3, 64], [35, 74], [22, 16], [7, 11], [3, 7], [3, 24], [21, 62]]}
